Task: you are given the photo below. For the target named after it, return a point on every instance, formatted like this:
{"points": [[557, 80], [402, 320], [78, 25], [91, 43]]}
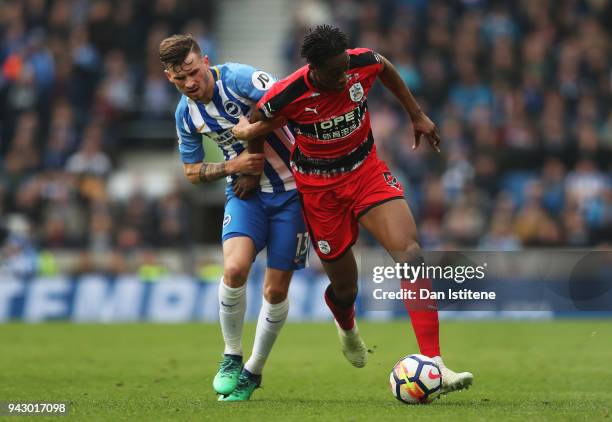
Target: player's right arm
{"points": [[191, 150], [209, 172], [204, 172]]}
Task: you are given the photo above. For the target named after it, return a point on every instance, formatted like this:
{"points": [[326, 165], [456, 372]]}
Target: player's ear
{"points": [[168, 75], [206, 60]]}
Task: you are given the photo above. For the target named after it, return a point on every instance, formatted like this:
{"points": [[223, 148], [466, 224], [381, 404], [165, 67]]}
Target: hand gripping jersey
{"points": [[237, 88], [333, 135]]}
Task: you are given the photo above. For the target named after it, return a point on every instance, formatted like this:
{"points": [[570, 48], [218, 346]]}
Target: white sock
{"points": [[232, 304], [271, 320]]}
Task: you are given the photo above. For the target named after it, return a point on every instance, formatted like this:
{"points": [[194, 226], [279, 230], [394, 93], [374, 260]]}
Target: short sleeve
{"points": [[189, 141], [275, 101], [365, 58], [266, 107]]}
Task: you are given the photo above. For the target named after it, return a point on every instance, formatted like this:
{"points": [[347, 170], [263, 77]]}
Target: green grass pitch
{"points": [[523, 371]]}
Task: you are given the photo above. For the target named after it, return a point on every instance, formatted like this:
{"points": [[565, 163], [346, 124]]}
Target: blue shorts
{"points": [[273, 220]]}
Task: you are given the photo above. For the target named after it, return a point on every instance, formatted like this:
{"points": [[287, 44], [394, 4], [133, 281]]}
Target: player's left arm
{"points": [[422, 124]]}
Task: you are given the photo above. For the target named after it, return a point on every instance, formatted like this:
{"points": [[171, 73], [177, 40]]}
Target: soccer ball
{"points": [[415, 379]]}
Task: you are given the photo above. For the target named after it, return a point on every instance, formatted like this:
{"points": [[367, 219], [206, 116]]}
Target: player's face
{"points": [[332, 74], [192, 77]]}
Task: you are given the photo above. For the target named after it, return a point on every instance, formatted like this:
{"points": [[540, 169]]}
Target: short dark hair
{"points": [[174, 50], [322, 43]]}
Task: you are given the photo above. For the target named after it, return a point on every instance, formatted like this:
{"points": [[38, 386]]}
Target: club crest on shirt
{"points": [[324, 246], [356, 92], [231, 108]]}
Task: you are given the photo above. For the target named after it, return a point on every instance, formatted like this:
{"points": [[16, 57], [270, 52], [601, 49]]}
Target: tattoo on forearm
{"points": [[209, 172]]}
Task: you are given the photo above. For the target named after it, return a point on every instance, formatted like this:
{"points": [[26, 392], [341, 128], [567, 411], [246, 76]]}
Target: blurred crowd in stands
{"points": [[72, 72], [521, 92]]}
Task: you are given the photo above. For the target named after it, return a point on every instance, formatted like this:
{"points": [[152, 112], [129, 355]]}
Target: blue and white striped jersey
{"points": [[237, 87]]}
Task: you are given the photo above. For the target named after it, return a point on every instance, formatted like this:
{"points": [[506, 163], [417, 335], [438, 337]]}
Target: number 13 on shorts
{"points": [[301, 251]]}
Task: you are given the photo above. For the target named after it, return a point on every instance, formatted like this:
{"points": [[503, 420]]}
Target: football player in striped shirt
{"points": [[214, 98], [342, 182]]}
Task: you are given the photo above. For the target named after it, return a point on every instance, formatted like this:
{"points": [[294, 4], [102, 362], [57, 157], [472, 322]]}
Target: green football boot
{"points": [[247, 383], [226, 379]]}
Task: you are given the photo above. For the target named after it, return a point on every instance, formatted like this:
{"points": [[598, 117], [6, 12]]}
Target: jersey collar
{"points": [[215, 72]]}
